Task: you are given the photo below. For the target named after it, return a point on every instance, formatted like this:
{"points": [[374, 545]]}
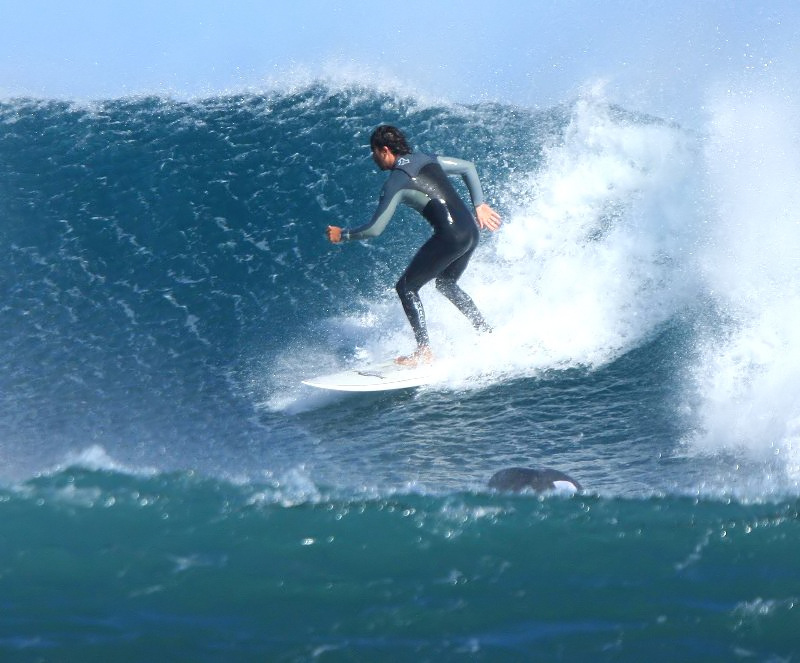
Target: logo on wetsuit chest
{"points": [[402, 161]]}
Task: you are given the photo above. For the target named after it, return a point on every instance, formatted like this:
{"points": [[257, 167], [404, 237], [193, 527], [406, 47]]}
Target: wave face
{"points": [[155, 253], [167, 285]]}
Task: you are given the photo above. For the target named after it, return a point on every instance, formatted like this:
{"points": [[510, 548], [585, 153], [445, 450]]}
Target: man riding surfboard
{"points": [[420, 181]]}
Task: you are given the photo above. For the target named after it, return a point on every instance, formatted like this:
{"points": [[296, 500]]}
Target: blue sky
{"points": [[660, 55]]}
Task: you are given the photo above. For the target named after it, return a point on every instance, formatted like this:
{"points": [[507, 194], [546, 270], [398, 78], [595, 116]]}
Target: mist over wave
{"points": [[593, 260], [748, 368]]}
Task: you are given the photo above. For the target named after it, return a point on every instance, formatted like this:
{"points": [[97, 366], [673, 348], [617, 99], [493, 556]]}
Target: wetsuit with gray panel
{"points": [[420, 181]]}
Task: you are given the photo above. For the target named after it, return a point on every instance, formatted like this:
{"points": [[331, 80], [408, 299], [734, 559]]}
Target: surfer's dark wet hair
{"points": [[391, 137]]}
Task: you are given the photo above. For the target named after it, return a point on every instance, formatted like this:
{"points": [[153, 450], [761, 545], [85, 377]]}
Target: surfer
{"points": [[420, 181]]}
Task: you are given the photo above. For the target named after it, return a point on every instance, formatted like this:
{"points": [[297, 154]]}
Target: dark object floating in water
{"points": [[517, 479]]}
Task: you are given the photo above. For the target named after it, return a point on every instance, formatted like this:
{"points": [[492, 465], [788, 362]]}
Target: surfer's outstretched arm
{"points": [[375, 227], [394, 192]]}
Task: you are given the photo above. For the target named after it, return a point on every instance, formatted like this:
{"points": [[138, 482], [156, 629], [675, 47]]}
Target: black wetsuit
{"points": [[421, 181]]}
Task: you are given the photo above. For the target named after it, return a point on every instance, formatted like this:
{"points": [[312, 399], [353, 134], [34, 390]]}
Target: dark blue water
{"points": [[172, 492]]}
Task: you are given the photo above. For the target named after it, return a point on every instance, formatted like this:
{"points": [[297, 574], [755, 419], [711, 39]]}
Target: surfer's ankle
{"points": [[422, 355]]}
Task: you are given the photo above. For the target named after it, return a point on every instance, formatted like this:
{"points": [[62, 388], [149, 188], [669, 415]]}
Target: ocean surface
{"points": [[170, 491]]}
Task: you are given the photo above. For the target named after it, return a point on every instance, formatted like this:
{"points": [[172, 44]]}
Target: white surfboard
{"points": [[378, 377]]}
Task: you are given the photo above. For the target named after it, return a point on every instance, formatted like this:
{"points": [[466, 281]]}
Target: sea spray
{"points": [[748, 368]]}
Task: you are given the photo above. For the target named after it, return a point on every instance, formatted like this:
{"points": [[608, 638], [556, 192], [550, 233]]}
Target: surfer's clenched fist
{"points": [[334, 234]]}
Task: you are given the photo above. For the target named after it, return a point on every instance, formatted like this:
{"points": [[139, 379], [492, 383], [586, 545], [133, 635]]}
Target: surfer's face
{"points": [[383, 157]]}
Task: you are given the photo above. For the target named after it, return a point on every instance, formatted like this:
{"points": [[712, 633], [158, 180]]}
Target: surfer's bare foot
{"points": [[421, 356]]}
